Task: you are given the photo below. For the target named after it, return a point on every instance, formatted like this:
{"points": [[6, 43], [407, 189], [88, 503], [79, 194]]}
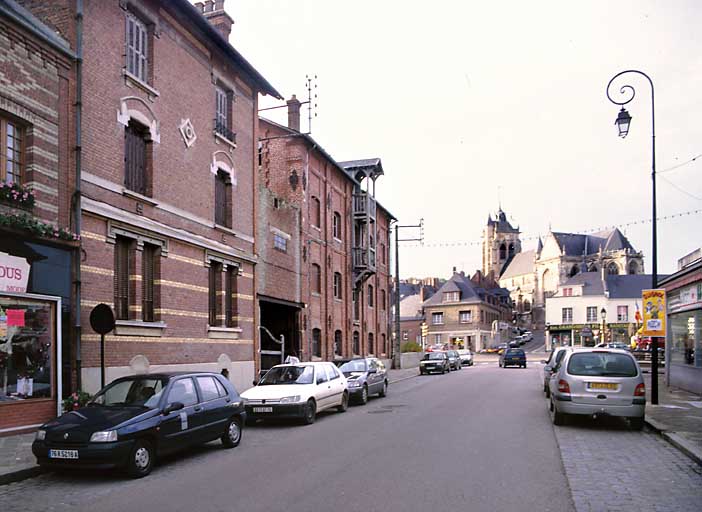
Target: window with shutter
{"points": [[231, 304], [147, 282], [121, 278], [215, 306], [135, 158], [223, 199], [137, 48], [11, 151], [223, 113]]}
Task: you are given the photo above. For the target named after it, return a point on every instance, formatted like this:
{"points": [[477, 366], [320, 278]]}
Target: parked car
{"points": [[598, 381], [365, 376], [466, 356], [134, 420], [454, 360], [528, 336], [616, 344], [513, 357], [514, 343], [502, 347], [434, 362], [552, 361], [298, 390]]}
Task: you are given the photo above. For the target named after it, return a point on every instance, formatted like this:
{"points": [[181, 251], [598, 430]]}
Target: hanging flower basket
{"points": [[17, 196], [27, 223]]}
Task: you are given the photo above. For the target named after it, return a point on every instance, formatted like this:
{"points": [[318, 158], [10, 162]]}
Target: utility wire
{"points": [[678, 166], [676, 187]]}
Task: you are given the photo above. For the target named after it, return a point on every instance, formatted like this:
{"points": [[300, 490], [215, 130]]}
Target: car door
{"points": [[336, 385], [215, 407], [180, 429], [374, 379], [323, 388]]}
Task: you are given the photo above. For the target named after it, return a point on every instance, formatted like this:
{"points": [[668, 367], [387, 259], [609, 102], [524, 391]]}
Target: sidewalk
{"points": [[17, 461], [677, 417]]}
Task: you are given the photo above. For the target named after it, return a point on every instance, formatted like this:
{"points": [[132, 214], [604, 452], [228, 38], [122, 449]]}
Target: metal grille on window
{"points": [[11, 153], [230, 305], [214, 307], [137, 48], [121, 278], [135, 158], [147, 283]]}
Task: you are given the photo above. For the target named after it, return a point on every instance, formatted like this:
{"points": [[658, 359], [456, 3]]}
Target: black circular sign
{"points": [[102, 320]]}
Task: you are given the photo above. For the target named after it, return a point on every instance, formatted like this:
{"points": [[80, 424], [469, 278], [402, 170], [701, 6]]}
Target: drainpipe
{"points": [[77, 193]]}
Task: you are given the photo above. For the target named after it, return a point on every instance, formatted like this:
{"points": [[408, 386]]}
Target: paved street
{"points": [[479, 439]]}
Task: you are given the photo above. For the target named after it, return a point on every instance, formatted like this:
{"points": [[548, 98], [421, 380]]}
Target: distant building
{"points": [[469, 313], [413, 293], [531, 276], [574, 312]]}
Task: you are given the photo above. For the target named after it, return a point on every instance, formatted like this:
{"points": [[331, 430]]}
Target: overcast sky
{"points": [[469, 102]]}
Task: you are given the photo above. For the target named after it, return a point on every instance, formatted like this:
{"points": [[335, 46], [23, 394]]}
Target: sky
{"points": [[475, 104]]}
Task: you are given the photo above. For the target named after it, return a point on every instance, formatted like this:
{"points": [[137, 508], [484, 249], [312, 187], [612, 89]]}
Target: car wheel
{"points": [[558, 418], [524, 365], [232, 434], [141, 459], [421, 372], [344, 403], [310, 412], [384, 390], [636, 423], [364, 395]]}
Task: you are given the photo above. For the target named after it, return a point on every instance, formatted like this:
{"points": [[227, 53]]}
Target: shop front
{"points": [[684, 334], [35, 291]]}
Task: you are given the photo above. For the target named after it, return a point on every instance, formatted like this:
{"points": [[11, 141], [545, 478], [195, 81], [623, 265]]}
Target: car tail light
{"points": [[640, 390], [563, 386]]}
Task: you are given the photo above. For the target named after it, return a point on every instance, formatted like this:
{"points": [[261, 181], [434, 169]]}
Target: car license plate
{"points": [[603, 385], [63, 454], [263, 409]]}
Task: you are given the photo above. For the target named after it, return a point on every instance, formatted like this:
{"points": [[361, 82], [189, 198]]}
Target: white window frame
{"points": [[625, 317], [137, 55], [567, 318], [465, 317], [591, 314], [439, 316], [280, 242], [222, 113]]}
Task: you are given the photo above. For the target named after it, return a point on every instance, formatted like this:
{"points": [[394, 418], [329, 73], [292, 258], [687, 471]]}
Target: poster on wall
{"points": [[14, 273], [654, 313]]}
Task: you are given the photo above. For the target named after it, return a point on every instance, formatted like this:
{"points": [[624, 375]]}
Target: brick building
{"points": [[168, 185], [37, 240], [469, 313], [324, 246]]}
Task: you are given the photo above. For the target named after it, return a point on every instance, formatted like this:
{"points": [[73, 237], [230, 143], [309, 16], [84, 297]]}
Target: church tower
{"points": [[500, 243]]}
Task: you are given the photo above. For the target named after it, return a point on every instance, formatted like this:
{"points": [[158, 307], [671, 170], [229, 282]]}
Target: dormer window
{"points": [[452, 296]]}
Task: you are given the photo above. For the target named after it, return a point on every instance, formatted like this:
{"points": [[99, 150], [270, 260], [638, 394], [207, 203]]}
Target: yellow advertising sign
{"points": [[653, 313]]}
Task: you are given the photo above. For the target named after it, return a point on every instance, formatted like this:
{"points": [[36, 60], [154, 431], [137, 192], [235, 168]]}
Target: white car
{"points": [[466, 356], [299, 390]]}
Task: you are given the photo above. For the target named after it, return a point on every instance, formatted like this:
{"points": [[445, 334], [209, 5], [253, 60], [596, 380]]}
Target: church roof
{"points": [[501, 223], [575, 244], [520, 264]]}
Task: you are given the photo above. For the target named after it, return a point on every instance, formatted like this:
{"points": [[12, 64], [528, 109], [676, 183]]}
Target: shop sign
{"points": [[653, 312], [586, 331], [14, 273]]}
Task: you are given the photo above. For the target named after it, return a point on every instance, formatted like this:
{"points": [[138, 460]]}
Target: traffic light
{"points": [[425, 329]]}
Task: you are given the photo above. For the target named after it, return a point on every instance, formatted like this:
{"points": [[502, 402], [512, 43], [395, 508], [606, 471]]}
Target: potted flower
{"points": [[76, 400]]}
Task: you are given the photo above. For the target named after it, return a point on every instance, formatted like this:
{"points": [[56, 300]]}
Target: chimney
{"points": [[294, 113], [213, 11]]}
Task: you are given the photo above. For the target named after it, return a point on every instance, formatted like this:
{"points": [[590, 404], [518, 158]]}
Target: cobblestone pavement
{"points": [[611, 468]]}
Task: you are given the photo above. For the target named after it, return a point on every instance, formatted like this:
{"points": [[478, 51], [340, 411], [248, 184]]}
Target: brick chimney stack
{"points": [[294, 113], [213, 11]]}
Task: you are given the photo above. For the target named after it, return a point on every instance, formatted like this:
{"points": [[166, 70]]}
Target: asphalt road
{"points": [[477, 439]]}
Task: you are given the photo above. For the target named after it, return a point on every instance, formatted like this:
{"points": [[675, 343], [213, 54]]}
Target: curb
{"points": [[678, 441], [400, 379], [22, 474]]}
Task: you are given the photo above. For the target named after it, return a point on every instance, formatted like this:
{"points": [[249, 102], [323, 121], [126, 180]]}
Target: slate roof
{"points": [[501, 223], [591, 282], [470, 293], [520, 264], [626, 286], [26, 19], [575, 244], [410, 307]]}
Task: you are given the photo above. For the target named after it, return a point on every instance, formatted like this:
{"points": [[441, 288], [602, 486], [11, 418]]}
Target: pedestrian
{"points": [[225, 373]]}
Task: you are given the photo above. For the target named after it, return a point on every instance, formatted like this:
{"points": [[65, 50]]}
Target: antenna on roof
{"points": [[311, 105], [499, 197]]}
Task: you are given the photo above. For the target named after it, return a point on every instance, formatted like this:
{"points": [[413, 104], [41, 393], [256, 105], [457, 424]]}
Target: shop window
{"points": [[231, 305], [317, 342], [223, 199], [27, 349], [215, 285], [686, 332], [123, 287], [11, 151]]}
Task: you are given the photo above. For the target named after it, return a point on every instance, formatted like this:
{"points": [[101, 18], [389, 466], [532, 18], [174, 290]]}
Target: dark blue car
{"points": [[513, 357], [135, 419]]}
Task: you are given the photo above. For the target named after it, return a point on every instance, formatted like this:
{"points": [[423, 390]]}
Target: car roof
{"points": [[166, 375]]}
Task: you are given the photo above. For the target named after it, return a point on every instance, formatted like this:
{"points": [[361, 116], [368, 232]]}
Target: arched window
{"points": [[592, 267], [317, 342], [336, 226], [315, 213], [573, 271], [337, 286], [503, 252], [316, 278], [371, 343], [612, 269], [511, 250], [633, 267], [371, 297], [383, 348], [338, 348], [356, 343], [383, 299]]}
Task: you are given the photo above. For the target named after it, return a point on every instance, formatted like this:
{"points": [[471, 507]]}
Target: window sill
{"points": [[316, 294], [224, 333], [133, 81], [338, 240], [139, 197], [139, 328], [219, 138], [229, 231]]}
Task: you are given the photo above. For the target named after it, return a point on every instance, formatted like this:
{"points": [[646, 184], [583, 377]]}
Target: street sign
{"points": [[653, 312]]}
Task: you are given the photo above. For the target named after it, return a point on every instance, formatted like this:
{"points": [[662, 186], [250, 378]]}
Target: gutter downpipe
{"points": [[77, 193]]}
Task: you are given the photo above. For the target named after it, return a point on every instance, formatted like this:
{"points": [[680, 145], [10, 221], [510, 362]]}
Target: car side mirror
{"points": [[255, 382], [543, 361], [372, 370], [172, 407], [548, 368]]}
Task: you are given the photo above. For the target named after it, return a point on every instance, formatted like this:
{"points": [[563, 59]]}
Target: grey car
{"points": [[434, 362], [598, 382], [550, 364], [365, 376], [454, 360]]}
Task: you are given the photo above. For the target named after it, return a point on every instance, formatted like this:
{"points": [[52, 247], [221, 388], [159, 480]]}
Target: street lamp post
{"points": [[603, 315], [627, 93]]}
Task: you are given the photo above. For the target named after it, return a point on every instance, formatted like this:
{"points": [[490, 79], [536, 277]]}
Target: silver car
{"points": [[466, 356], [598, 382], [552, 361]]}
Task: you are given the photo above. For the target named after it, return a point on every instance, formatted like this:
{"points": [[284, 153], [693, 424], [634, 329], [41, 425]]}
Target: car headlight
{"points": [[354, 384], [107, 436], [290, 399], [41, 435]]}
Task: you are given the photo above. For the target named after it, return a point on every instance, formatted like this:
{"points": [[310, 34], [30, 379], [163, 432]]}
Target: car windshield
{"points": [[434, 355], [602, 364], [464, 352], [288, 375], [133, 392], [514, 353], [357, 365]]}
